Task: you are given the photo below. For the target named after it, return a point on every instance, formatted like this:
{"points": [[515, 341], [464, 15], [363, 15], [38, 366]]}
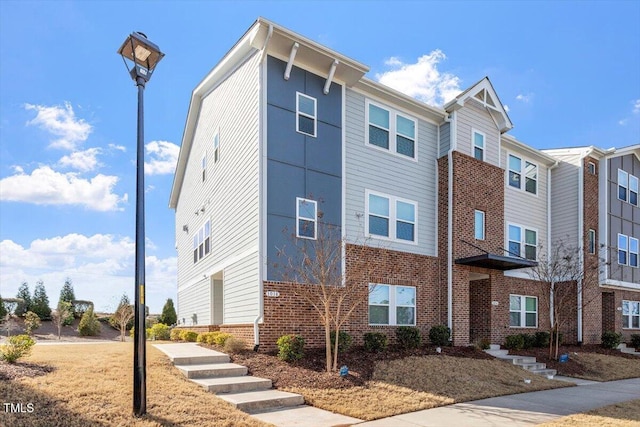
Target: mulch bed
{"points": [[12, 371], [571, 368], [310, 372]]}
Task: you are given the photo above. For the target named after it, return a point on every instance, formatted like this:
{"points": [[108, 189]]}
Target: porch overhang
{"points": [[496, 262]]}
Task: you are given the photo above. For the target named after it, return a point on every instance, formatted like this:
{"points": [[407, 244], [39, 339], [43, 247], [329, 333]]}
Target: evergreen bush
{"points": [[611, 339], [290, 347], [408, 337], [89, 324], [344, 341], [440, 335], [375, 342]]}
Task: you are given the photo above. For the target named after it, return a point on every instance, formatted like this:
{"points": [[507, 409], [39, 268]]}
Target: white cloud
{"points": [[636, 106], [61, 122], [525, 98], [422, 80], [506, 108], [101, 268], [47, 187], [118, 147], [623, 122], [84, 161], [163, 157]]}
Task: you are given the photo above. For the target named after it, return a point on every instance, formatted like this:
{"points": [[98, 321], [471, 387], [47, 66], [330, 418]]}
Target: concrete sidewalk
{"points": [[519, 409]]}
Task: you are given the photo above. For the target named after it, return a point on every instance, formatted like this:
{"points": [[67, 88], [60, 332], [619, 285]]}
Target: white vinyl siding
{"points": [[564, 196], [368, 168], [475, 118], [233, 106], [193, 304]]}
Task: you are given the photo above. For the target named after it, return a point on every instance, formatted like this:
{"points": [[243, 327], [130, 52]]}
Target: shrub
{"points": [[234, 345], [290, 347], [221, 338], [168, 316], [344, 341], [635, 341], [189, 336], [560, 337], [159, 331], [439, 335], [208, 337], [133, 330], [483, 343], [31, 322], [611, 339], [542, 339], [529, 340], [514, 342], [16, 347], [375, 342], [89, 325], [174, 335], [408, 337]]}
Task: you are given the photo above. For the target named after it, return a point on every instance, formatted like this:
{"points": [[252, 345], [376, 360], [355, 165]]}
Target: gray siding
{"points": [[445, 139], [370, 169], [564, 199], [193, 304], [474, 116], [229, 194], [238, 298]]}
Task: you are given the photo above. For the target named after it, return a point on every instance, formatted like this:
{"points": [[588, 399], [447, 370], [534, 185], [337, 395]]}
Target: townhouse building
{"points": [[286, 134]]}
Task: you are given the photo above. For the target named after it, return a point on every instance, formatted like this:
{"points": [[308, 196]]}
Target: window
{"points": [[306, 218], [633, 252], [592, 168], [631, 314], [392, 305], [306, 122], [523, 242], [592, 241], [216, 147], [523, 311], [390, 130], [479, 225], [478, 145], [202, 242], [623, 184], [516, 172], [204, 167], [391, 217], [623, 249], [633, 190]]}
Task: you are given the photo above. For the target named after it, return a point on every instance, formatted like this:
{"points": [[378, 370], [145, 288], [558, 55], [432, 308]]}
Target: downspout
{"points": [[452, 145], [260, 316]]}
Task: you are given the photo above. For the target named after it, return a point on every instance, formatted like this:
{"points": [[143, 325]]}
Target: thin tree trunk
{"points": [[327, 336]]}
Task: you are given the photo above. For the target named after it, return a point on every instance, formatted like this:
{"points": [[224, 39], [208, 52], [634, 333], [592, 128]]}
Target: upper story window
{"points": [[628, 250], [592, 168], [516, 173], [203, 165], [306, 218], [523, 242], [478, 145], [216, 147], [592, 241], [623, 185], [392, 305], [306, 117], [202, 242], [391, 217], [390, 130], [479, 225], [633, 190], [631, 314]]}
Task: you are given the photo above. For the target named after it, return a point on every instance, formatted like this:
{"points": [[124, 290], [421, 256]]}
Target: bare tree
{"points": [[564, 273], [61, 314], [316, 270], [122, 316]]}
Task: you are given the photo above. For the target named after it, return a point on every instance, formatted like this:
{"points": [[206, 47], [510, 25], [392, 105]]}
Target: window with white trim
{"points": [[591, 168], [306, 116], [203, 166], [392, 305], [523, 242], [479, 225], [623, 185], [592, 241], [478, 145], [391, 217], [306, 218], [633, 252], [523, 311], [633, 190], [623, 249], [516, 172], [216, 147], [202, 242], [389, 130], [630, 314]]}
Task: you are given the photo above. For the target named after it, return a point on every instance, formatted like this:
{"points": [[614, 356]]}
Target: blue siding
{"points": [[300, 165]]}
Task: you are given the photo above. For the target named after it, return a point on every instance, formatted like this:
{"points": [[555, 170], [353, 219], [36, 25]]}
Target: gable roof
{"points": [[484, 93]]}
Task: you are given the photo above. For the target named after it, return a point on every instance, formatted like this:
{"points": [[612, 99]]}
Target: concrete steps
{"points": [[213, 371], [525, 362], [628, 350]]}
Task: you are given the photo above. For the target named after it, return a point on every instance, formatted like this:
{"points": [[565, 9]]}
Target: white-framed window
{"points": [[390, 130], [623, 249], [523, 311], [630, 314], [519, 168], [203, 165], [522, 242], [623, 185], [391, 217], [479, 225], [306, 116], [592, 241], [591, 167], [633, 252], [202, 242], [216, 147], [306, 218], [392, 305], [633, 190], [478, 144]]}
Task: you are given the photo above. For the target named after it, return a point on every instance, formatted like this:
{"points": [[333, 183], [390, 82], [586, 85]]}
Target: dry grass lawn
{"points": [[626, 414], [92, 385], [415, 383], [602, 367]]}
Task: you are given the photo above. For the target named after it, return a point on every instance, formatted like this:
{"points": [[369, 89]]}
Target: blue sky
{"points": [[569, 73]]}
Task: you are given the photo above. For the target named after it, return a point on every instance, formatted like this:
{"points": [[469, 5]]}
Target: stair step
{"points": [[201, 360], [497, 353], [622, 346], [212, 370], [532, 366], [494, 347], [233, 384], [259, 400], [546, 372], [191, 354]]}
